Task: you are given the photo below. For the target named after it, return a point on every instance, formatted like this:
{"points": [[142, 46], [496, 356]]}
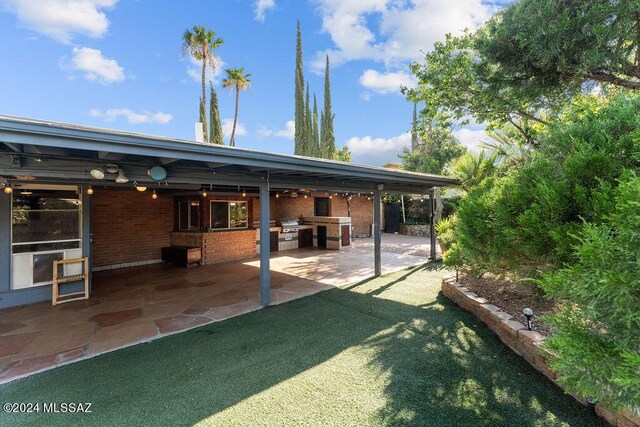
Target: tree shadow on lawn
{"points": [[443, 367]]}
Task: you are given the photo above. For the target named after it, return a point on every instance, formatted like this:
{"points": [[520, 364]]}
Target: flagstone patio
{"points": [[139, 304]]}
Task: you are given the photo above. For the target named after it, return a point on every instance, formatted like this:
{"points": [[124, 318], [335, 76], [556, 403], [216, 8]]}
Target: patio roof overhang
{"points": [[49, 151]]}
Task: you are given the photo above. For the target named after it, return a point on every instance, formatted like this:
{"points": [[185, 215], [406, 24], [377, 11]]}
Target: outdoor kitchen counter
{"points": [[220, 245], [337, 230]]}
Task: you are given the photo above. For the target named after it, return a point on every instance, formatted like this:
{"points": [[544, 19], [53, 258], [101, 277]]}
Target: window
{"points": [[189, 215], [321, 207], [226, 215], [46, 226]]}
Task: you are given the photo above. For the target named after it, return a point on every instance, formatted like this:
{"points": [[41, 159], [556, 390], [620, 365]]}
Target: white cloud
{"points": [[262, 6], [194, 70], [227, 126], [62, 19], [384, 83], [132, 117], [393, 32], [288, 132], [94, 66], [471, 138], [377, 151]]}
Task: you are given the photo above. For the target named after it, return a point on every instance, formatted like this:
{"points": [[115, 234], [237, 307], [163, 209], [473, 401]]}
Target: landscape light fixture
{"points": [[528, 313], [121, 179], [97, 173], [90, 190]]}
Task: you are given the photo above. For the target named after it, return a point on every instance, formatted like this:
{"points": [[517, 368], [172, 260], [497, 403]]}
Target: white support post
{"points": [[265, 250]]}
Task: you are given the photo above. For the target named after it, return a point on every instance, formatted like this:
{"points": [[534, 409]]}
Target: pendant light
{"points": [[90, 190], [121, 179], [8, 189], [154, 195], [97, 173]]}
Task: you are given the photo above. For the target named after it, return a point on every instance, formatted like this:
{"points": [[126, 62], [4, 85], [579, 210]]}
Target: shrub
{"points": [[525, 220], [445, 232], [596, 337]]}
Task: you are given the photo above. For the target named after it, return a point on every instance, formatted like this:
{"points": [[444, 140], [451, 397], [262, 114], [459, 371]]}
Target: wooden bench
{"points": [[182, 255], [58, 298]]}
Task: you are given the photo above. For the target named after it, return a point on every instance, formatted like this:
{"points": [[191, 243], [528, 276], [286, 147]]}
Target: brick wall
{"points": [[128, 226], [222, 246], [361, 213], [522, 341]]}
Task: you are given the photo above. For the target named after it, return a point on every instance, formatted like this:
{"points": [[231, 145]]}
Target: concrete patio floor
{"points": [[140, 304]]}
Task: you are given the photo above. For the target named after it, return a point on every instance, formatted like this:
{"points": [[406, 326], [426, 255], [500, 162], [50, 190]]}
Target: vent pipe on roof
{"points": [[199, 132]]}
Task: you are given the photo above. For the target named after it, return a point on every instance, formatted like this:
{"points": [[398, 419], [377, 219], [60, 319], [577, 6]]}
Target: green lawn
{"points": [[389, 351]]}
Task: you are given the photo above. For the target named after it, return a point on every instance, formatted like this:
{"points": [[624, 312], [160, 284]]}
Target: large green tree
{"points": [[457, 85], [200, 43], [562, 44], [215, 125], [300, 111], [437, 148], [236, 80]]}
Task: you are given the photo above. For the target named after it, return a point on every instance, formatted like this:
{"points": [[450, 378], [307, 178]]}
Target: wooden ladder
{"points": [[57, 298]]}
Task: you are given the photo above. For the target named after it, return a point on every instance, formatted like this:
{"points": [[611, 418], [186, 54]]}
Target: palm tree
{"points": [[238, 80], [200, 43], [471, 169]]}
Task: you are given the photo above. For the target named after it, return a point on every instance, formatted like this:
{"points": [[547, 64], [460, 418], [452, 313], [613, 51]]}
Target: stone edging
{"points": [[523, 342]]}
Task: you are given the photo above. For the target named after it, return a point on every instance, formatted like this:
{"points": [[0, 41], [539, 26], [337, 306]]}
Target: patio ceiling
{"points": [[46, 151]]}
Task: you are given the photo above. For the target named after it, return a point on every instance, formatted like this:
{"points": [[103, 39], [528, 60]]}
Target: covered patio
{"points": [[123, 203], [139, 304]]}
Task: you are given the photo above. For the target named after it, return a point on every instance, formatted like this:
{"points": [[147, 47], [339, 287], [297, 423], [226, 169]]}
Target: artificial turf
{"points": [[388, 351]]}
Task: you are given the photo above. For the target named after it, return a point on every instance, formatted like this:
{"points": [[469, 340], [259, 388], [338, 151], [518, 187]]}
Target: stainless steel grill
{"points": [[289, 225]]}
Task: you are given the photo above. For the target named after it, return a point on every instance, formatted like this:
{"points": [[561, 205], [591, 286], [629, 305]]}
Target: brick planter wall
{"points": [[522, 341]]}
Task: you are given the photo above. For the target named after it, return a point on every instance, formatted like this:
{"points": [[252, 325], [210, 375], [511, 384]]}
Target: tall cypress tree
{"points": [[215, 126], [307, 126], [328, 141], [414, 129], [203, 119], [300, 111], [315, 152]]}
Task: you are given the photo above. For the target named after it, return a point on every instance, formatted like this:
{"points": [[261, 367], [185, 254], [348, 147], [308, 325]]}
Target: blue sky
{"points": [[118, 64]]}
